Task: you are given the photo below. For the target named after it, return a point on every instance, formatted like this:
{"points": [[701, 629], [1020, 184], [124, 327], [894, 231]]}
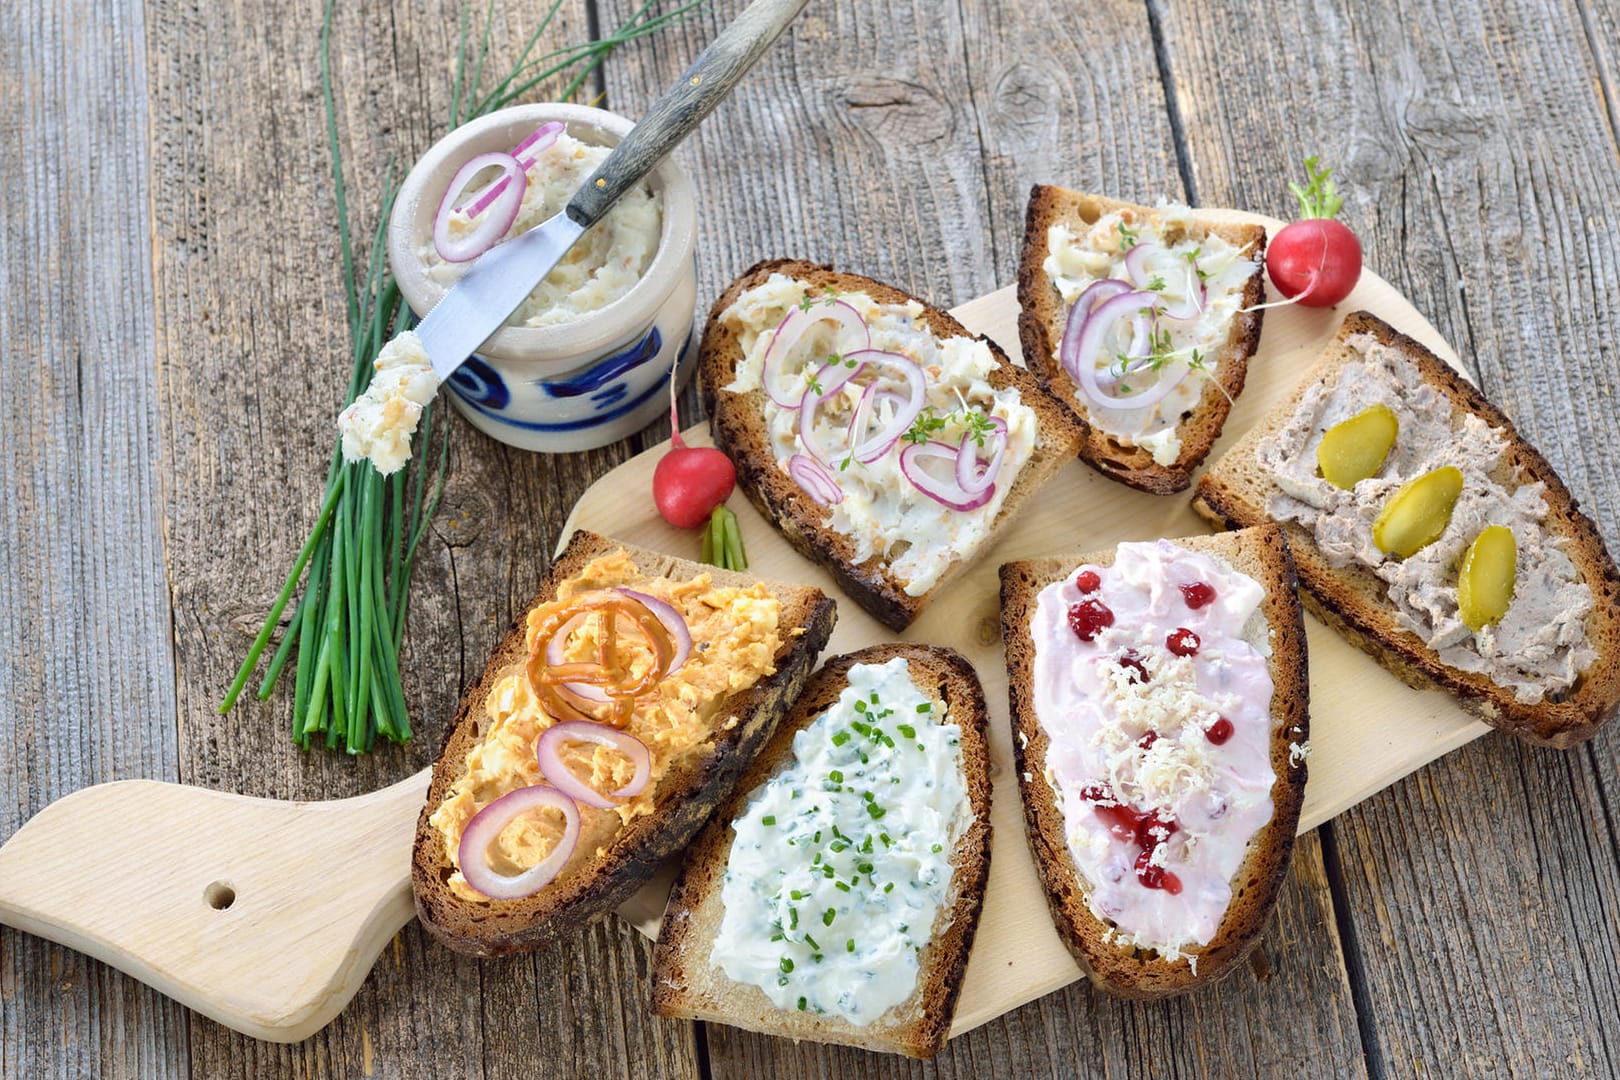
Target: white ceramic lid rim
{"points": [[577, 341]]}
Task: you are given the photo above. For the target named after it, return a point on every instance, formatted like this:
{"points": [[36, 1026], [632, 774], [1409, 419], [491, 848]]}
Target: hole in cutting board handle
{"points": [[219, 895]]}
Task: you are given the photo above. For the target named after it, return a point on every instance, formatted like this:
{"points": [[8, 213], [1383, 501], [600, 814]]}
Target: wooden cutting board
{"points": [[262, 916]]}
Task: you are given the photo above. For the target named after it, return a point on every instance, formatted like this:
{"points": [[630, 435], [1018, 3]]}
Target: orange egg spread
{"points": [[735, 638]]}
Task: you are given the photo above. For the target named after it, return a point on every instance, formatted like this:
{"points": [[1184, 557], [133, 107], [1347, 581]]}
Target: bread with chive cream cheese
{"points": [[1510, 600], [1159, 709], [1158, 351], [608, 724], [835, 897], [885, 441]]}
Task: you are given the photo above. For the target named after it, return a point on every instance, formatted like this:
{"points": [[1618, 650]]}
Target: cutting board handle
{"points": [[261, 914]]}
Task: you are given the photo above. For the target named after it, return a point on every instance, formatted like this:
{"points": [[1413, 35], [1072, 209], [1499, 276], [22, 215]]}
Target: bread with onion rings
{"points": [[586, 819]]}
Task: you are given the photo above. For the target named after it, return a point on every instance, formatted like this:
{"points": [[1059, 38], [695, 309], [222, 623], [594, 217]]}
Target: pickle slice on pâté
{"points": [[1354, 449], [1486, 579], [1418, 513]]}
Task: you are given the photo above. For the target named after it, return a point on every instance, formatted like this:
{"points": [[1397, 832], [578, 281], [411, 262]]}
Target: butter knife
{"points": [[478, 304]]}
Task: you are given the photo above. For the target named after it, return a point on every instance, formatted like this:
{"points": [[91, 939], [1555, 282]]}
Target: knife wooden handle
{"points": [[683, 106]]}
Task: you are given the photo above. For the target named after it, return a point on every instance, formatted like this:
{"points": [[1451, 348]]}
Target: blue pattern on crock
{"points": [[479, 384], [658, 387], [605, 370]]}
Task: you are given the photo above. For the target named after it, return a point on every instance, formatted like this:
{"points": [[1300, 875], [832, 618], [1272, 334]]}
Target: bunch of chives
{"points": [[349, 623]]}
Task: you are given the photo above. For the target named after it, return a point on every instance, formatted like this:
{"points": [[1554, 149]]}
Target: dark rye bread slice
{"points": [[738, 421], [687, 984], [1263, 554], [1042, 315], [591, 885], [1354, 600]]}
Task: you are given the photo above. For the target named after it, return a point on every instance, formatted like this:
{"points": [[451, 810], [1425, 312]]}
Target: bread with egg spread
{"points": [[1112, 963], [1043, 315], [595, 881], [738, 422], [1351, 598], [688, 983]]}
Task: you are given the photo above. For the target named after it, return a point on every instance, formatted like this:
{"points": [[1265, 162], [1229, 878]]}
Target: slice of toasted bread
{"points": [[596, 881], [738, 421], [1043, 315], [1114, 965], [1352, 599], [688, 983]]}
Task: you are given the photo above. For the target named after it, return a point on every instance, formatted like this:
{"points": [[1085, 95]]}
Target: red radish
{"points": [[690, 481], [1316, 261]]}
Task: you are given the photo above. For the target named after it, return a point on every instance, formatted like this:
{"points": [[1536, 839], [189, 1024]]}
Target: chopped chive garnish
{"points": [[876, 811], [786, 964], [812, 942], [840, 738], [842, 885], [768, 819], [836, 777], [907, 731], [849, 946], [828, 916], [802, 1004]]}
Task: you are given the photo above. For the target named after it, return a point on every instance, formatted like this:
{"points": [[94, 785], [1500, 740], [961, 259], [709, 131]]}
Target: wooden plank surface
{"points": [[86, 677], [174, 331], [1477, 160], [251, 356]]}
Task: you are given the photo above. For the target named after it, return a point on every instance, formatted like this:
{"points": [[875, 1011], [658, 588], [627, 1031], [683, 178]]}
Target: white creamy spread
{"points": [[883, 513], [601, 267], [1130, 740], [1076, 260], [1540, 645], [380, 422], [841, 863]]}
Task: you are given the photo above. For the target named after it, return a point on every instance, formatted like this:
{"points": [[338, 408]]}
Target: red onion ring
{"points": [[1078, 353], [481, 832], [945, 492], [812, 476], [880, 442], [543, 137], [547, 750], [673, 621], [488, 232], [794, 325], [808, 403], [967, 459]]}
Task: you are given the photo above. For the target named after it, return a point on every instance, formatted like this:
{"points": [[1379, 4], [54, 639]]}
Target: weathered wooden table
{"points": [[172, 331]]}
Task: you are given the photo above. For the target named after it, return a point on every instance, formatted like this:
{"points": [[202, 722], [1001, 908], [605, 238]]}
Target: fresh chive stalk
{"points": [[346, 632], [722, 541]]}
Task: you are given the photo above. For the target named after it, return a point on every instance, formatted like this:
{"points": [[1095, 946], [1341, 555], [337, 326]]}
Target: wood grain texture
{"points": [[86, 675], [251, 355], [1476, 153]]}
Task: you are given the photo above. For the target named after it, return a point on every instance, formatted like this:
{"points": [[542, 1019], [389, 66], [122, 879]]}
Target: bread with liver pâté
{"points": [[1352, 599]]}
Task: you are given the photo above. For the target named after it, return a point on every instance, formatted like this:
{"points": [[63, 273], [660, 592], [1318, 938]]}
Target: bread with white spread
{"points": [[621, 847], [1204, 278], [1548, 670], [1160, 728], [833, 969], [894, 526]]}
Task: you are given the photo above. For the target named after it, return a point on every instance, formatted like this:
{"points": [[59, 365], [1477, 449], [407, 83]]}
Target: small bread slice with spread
{"points": [[836, 896], [885, 441], [1159, 710], [1138, 318], [607, 726], [1432, 536]]}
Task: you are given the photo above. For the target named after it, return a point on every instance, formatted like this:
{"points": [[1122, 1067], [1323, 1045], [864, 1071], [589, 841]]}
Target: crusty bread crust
{"points": [[738, 421], [1040, 321], [589, 888], [687, 984], [1263, 554], [1353, 600]]}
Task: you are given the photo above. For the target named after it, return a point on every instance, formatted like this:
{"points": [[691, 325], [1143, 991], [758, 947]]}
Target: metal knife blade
{"points": [[477, 305]]}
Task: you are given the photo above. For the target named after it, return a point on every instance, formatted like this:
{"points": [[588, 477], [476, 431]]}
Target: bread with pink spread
{"points": [[1159, 697]]}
